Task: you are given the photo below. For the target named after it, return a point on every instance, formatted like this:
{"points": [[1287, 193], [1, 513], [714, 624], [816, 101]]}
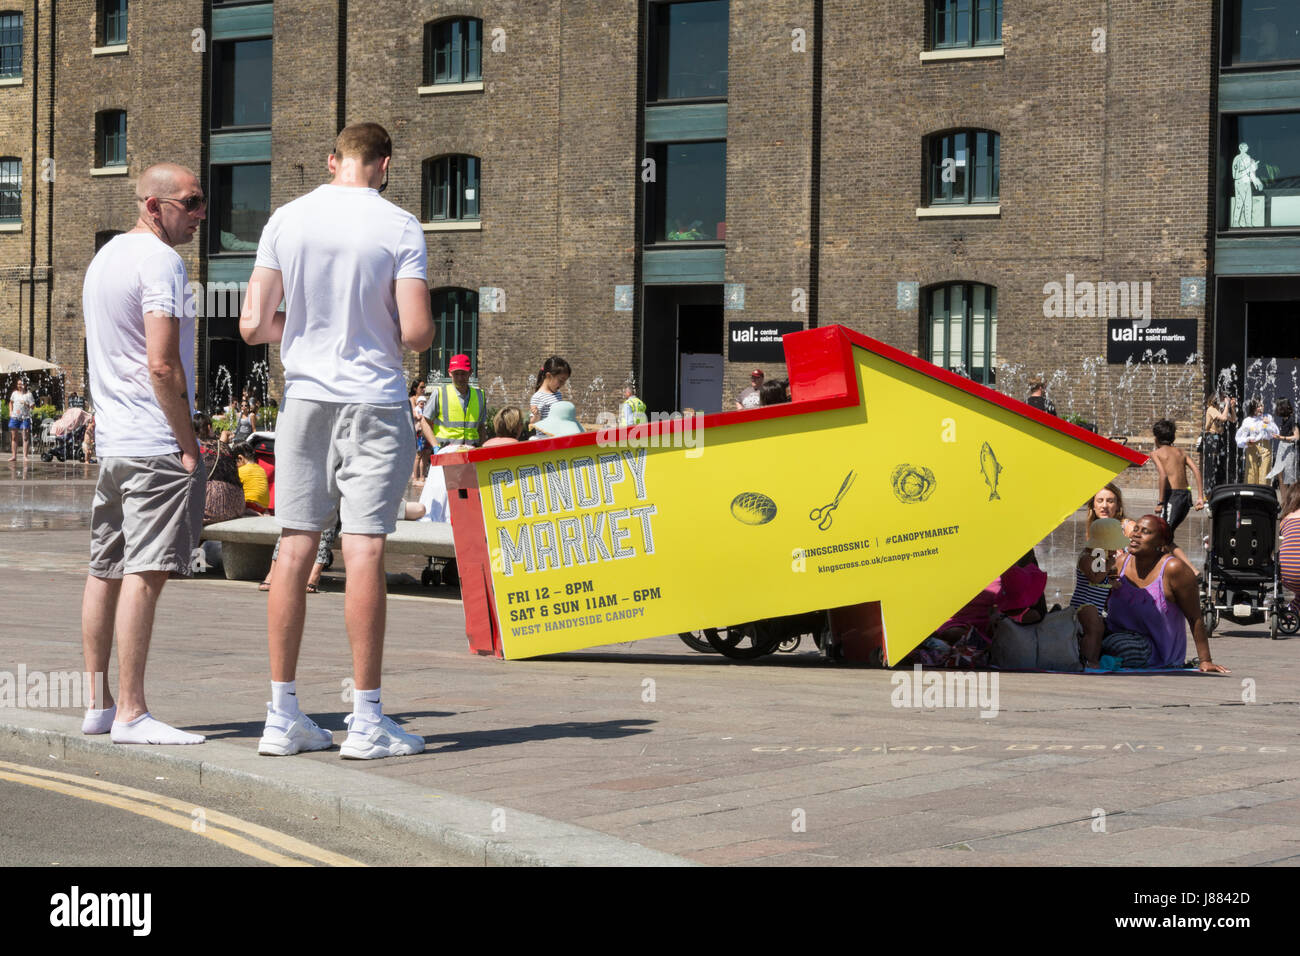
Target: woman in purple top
{"points": [[1154, 596]]}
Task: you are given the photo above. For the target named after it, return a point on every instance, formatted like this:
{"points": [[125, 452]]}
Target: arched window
{"points": [[11, 44], [110, 138], [111, 28], [962, 166], [450, 188], [963, 23], [959, 326], [453, 51], [455, 315], [11, 189]]}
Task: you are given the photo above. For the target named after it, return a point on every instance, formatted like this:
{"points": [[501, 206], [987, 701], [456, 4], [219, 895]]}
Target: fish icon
{"points": [[990, 468]]}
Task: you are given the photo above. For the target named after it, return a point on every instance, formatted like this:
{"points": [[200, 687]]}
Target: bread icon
{"points": [[750, 507]]}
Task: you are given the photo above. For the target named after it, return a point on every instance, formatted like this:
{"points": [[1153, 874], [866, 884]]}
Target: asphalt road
{"points": [[60, 814]]}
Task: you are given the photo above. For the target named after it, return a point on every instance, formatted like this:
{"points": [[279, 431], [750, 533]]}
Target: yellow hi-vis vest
{"points": [[632, 412], [457, 422]]}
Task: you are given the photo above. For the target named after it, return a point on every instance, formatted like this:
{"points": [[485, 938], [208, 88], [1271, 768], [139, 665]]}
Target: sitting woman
{"points": [[507, 427], [1109, 503], [257, 490], [1094, 575], [223, 493], [1153, 600]]}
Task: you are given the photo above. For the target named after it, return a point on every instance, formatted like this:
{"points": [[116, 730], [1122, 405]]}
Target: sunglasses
{"points": [[190, 203]]}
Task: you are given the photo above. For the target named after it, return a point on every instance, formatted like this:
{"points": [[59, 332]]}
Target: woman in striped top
{"points": [[1288, 549], [554, 373]]}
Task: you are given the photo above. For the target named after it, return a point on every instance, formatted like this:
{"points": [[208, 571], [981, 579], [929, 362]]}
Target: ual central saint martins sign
{"points": [[1127, 340]]}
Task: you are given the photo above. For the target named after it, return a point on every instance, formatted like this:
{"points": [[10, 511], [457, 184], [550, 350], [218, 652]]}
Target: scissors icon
{"points": [[823, 514]]}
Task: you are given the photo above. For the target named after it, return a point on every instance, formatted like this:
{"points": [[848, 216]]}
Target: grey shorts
{"points": [[355, 459], [147, 516]]}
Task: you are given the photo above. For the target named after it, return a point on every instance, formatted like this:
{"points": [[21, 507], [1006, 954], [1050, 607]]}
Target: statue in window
{"points": [[1244, 177]]}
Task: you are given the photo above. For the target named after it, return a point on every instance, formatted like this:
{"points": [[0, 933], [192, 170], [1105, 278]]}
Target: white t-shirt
{"points": [[340, 250], [21, 404], [133, 274]]}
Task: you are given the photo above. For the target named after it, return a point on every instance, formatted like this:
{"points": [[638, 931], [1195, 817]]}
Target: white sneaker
{"points": [[384, 739], [290, 735]]}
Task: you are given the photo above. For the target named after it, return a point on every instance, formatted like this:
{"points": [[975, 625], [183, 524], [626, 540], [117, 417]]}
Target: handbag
{"points": [[1052, 644]]}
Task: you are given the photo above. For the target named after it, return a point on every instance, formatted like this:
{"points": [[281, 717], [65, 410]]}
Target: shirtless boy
{"points": [[1171, 466]]}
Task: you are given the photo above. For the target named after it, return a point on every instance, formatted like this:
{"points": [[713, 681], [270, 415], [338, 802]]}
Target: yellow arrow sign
{"points": [[885, 479]]}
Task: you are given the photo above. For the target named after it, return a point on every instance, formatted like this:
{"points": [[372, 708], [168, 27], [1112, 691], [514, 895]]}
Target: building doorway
{"points": [[682, 355]]}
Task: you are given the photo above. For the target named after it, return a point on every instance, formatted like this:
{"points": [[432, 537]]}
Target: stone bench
{"points": [[247, 543]]}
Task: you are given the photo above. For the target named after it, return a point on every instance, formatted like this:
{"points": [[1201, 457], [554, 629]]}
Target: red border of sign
{"points": [[822, 378]]}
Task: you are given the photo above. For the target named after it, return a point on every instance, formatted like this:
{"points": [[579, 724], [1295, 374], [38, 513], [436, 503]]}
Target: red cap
{"points": [[459, 363], [757, 371]]}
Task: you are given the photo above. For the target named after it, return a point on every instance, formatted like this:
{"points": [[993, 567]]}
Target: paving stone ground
{"points": [[787, 760]]}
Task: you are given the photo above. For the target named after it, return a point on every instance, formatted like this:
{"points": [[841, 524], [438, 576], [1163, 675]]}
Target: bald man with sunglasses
{"points": [[148, 507]]}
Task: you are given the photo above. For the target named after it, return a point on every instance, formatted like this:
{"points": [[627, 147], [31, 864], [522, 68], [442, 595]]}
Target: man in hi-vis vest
{"points": [[457, 412]]}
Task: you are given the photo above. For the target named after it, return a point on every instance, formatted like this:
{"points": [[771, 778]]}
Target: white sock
{"points": [[99, 721], [284, 697], [366, 706], [149, 730]]}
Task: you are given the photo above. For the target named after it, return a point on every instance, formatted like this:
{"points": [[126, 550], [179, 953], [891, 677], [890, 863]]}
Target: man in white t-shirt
{"points": [[21, 403], [351, 269], [148, 508]]}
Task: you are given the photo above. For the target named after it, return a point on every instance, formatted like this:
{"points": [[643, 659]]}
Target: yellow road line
{"points": [[237, 843], [275, 838]]}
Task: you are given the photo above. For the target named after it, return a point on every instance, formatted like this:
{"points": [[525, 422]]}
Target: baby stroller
{"points": [[65, 437], [1241, 578]]}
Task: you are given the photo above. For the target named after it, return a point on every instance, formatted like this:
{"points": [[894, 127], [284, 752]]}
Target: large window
{"points": [[241, 83], [110, 138], [963, 167], [103, 237], [453, 51], [1261, 31], [11, 44], [1259, 171], [963, 23], [688, 50], [11, 189], [688, 197], [450, 190], [960, 328], [455, 314], [112, 22], [239, 206]]}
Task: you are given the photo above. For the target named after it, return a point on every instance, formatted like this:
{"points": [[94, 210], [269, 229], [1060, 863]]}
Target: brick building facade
{"points": [[883, 169]]}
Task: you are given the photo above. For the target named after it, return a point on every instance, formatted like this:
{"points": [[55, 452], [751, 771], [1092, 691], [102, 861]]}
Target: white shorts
{"points": [[353, 459]]}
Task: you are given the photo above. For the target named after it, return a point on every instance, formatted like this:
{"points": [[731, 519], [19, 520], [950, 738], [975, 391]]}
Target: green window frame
{"points": [[453, 51], [110, 138], [11, 189], [455, 314], [450, 188], [112, 22], [955, 24], [959, 328], [963, 167], [11, 44]]}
